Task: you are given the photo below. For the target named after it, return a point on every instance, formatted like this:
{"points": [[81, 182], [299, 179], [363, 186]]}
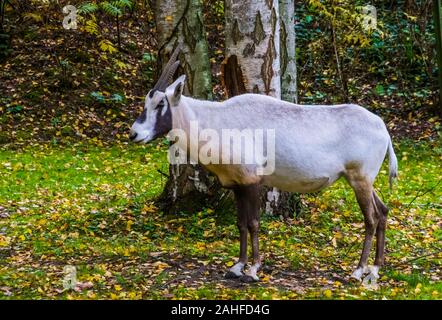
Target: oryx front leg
{"points": [[242, 209], [253, 227], [251, 274], [248, 221], [237, 270]]}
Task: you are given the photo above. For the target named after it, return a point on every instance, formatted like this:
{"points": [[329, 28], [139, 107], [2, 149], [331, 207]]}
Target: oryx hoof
{"points": [[370, 281], [248, 278], [359, 273], [232, 275]]}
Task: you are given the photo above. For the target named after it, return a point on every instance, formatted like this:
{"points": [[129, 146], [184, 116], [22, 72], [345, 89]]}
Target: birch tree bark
{"points": [[182, 21], [288, 51], [252, 48], [253, 64], [189, 187]]}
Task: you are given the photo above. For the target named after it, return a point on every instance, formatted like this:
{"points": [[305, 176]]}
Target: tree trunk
{"points": [[189, 188], [182, 21], [252, 64], [288, 51], [252, 48]]}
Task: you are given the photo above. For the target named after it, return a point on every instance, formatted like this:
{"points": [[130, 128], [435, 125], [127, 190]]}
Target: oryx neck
{"points": [[192, 110]]}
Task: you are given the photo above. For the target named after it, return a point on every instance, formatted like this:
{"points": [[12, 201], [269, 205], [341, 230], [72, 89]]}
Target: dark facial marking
{"points": [[160, 105], [152, 92], [163, 123], [142, 117]]}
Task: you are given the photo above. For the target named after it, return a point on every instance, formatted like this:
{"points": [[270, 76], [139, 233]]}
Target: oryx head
{"points": [[156, 119]]}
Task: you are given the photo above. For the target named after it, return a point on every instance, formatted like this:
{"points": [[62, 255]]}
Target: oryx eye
{"points": [[160, 105]]}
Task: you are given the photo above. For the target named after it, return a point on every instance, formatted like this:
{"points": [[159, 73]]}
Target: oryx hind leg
{"points": [[363, 188], [382, 212]]}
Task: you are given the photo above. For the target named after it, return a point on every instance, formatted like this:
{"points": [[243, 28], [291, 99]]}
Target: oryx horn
{"points": [[168, 71]]}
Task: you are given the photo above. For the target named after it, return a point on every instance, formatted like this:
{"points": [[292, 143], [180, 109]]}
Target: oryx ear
{"points": [[175, 90]]}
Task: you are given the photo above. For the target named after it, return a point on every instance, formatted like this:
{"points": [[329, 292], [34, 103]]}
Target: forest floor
{"points": [[90, 206]]}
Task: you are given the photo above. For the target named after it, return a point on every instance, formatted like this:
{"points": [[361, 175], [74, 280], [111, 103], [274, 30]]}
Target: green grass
{"points": [[91, 206]]}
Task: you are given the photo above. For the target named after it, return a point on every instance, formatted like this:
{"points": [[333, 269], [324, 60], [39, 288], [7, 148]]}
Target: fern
{"points": [[91, 27], [87, 8], [124, 3], [106, 45], [111, 9]]}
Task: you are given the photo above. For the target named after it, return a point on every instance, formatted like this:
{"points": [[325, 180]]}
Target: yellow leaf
{"points": [[265, 278], [328, 294], [229, 264], [34, 16], [200, 246], [91, 27], [106, 45], [121, 64], [418, 288]]}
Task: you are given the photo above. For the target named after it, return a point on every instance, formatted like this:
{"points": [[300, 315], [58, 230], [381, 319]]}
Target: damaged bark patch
{"points": [[236, 33], [190, 76], [273, 20], [267, 66], [258, 33], [283, 50], [249, 50], [232, 77]]}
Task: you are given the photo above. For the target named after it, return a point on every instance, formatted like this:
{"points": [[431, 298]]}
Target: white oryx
{"points": [[314, 147]]}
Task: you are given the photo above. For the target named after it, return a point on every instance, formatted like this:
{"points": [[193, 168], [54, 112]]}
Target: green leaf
{"points": [[98, 96], [116, 98], [380, 90]]}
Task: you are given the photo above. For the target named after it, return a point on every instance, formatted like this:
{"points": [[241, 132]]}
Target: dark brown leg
{"points": [[246, 200], [382, 211], [253, 227]]}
